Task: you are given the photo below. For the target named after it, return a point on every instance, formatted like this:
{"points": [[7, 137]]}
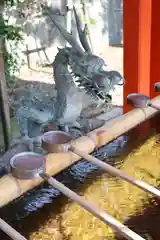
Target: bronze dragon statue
{"points": [[86, 68], [74, 68]]}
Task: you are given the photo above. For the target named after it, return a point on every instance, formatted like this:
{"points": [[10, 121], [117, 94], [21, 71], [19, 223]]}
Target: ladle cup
{"points": [[140, 101], [59, 141], [28, 165], [157, 87]]}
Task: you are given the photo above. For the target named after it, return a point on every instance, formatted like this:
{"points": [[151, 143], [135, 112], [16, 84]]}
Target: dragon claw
{"points": [[32, 144], [27, 141]]}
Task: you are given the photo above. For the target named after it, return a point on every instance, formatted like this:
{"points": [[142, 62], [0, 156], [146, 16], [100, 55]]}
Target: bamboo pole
{"points": [[116, 172], [59, 161], [98, 213], [11, 232]]}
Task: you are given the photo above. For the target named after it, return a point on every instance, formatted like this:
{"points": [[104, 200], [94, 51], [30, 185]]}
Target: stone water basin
{"points": [[44, 213]]}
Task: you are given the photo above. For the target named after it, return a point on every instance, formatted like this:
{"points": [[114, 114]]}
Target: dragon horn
{"points": [[65, 34], [81, 32]]}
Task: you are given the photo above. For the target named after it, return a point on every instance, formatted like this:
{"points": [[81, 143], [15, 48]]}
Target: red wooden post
{"points": [[137, 43], [155, 54], [137, 23], [155, 46]]}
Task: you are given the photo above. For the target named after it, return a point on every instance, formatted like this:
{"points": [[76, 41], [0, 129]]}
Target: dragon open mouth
{"points": [[96, 91]]}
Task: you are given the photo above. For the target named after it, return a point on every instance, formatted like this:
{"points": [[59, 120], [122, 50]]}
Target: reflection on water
{"points": [[46, 208]]}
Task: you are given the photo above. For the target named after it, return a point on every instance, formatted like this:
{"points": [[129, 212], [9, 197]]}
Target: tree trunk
{"points": [[86, 19], [69, 7], [4, 106]]}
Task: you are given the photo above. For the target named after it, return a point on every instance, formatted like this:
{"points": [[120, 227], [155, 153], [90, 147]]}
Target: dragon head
{"points": [[86, 68]]}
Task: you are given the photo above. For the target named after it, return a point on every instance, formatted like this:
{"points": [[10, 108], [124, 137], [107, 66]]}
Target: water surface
{"points": [[44, 213]]}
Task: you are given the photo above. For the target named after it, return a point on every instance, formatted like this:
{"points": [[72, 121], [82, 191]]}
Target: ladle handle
{"points": [[103, 216], [11, 232], [116, 172], [153, 106]]}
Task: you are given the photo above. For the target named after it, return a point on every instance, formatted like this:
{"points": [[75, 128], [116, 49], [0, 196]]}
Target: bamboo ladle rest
{"points": [[138, 100], [59, 141], [29, 165]]}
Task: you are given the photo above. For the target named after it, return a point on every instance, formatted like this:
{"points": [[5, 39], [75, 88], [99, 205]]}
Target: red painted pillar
{"points": [[155, 46], [155, 53], [137, 21]]}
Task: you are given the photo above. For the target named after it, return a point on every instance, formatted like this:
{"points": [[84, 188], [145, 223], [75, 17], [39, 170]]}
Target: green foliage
{"points": [[13, 35], [12, 65], [12, 60], [11, 3]]}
